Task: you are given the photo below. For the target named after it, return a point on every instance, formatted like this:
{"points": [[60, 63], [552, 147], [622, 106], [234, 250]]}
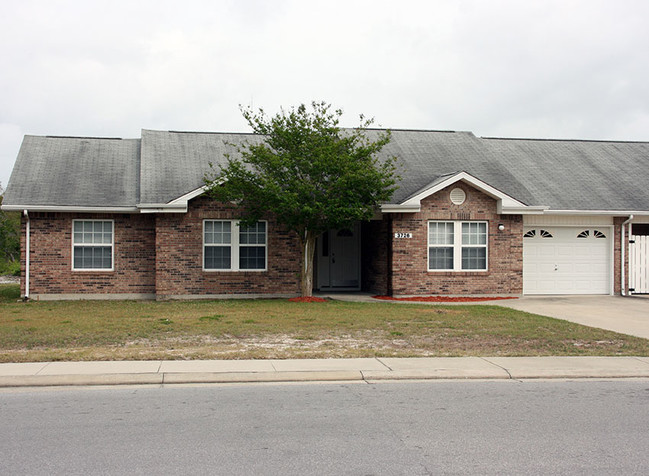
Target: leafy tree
{"points": [[9, 240], [310, 173]]}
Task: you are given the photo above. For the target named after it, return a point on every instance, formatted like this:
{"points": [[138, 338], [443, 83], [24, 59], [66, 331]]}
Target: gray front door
{"points": [[338, 259]]}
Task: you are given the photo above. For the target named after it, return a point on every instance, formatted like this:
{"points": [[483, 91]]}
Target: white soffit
{"points": [[178, 205], [183, 199]]}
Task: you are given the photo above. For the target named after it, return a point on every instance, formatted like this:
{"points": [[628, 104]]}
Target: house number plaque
{"points": [[403, 235]]}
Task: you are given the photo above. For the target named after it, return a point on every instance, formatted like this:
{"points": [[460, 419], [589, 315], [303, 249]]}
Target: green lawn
{"points": [[241, 329]]}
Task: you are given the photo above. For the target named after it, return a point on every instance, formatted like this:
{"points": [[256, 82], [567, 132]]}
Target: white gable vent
{"points": [[458, 196]]}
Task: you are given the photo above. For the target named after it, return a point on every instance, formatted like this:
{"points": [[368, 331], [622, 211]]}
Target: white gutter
{"points": [[392, 208], [524, 210], [26, 213], [162, 208], [597, 212], [622, 261], [69, 209]]}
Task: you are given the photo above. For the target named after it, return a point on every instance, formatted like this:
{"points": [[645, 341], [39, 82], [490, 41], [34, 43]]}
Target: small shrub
{"points": [[9, 268], [9, 292]]}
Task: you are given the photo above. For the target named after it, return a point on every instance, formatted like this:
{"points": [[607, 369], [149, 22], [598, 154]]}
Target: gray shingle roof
{"points": [[174, 163], [75, 171], [428, 155], [574, 175], [564, 175]]}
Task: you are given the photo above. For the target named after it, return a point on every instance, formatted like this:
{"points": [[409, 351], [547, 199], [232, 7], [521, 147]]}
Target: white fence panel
{"points": [[639, 264]]}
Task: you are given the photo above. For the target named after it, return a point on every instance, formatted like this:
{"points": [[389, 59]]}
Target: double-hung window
{"points": [[230, 247], [92, 245], [252, 246], [457, 246]]}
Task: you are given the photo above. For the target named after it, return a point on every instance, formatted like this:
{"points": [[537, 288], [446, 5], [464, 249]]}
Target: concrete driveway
{"points": [[627, 315]]}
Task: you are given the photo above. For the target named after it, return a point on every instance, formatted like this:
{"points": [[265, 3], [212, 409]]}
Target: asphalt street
{"points": [[435, 427]]}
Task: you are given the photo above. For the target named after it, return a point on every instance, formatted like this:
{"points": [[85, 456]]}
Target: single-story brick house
{"points": [[127, 218]]}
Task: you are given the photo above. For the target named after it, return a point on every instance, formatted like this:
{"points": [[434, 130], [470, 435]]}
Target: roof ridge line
{"points": [[398, 129], [567, 140], [349, 128], [84, 137], [212, 133]]}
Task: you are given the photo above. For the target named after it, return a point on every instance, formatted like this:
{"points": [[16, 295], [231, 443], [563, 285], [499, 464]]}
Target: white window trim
{"points": [[234, 247], [457, 247], [112, 248]]}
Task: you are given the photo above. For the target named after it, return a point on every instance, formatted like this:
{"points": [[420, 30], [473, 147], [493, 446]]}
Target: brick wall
{"points": [[179, 257], [51, 256], [617, 250], [163, 254], [410, 275]]}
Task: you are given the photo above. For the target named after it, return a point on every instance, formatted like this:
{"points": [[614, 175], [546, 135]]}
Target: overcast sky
{"points": [[547, 69]]}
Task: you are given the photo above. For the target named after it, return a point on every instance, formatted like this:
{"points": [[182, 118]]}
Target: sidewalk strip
{"points": [[40, 374]]}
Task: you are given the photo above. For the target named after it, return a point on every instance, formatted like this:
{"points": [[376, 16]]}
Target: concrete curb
{"points": [[79, 380], [280, 377], [176, 378], [251, 377], [52, 374], [434, 374]]}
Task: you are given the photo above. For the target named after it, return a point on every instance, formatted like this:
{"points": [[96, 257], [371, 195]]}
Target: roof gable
{"points": [[506, 204]]}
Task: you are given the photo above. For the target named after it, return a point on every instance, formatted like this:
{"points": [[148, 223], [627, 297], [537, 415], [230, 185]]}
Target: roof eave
{"points": [[67, 208], [161, 208], [177, 205], [596, 212], [400, 208], [525, 210], [184, 199]]}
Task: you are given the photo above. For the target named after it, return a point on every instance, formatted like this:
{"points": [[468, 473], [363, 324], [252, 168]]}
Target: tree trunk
{"points": [[306, 274]]}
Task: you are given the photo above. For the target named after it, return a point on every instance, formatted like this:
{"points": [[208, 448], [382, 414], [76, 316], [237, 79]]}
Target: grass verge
{"points": [[260, 329]]}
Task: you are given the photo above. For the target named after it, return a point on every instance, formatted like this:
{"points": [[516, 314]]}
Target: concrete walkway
{"points": [[627, 315], [316, 370]]}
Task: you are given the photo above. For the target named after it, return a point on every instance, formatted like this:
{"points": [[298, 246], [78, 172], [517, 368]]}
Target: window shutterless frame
{"points": [[93, 245], [228, 247], [458, 246]]}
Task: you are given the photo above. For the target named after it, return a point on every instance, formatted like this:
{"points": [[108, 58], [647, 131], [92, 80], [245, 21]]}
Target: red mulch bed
{"points": [[443, 298], [307, 299]]}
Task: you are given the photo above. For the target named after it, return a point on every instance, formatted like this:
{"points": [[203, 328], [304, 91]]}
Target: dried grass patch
{"points": [[263, 329]]}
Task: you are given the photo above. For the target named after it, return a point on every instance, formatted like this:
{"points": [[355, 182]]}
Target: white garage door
{"points": [[566, 260]]}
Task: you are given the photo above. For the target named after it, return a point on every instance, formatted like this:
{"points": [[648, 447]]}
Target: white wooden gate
{"points": [[639, 264]]}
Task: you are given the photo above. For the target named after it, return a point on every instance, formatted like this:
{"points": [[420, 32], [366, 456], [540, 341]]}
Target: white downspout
{"points": [[26, 255], [622, 261]]}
